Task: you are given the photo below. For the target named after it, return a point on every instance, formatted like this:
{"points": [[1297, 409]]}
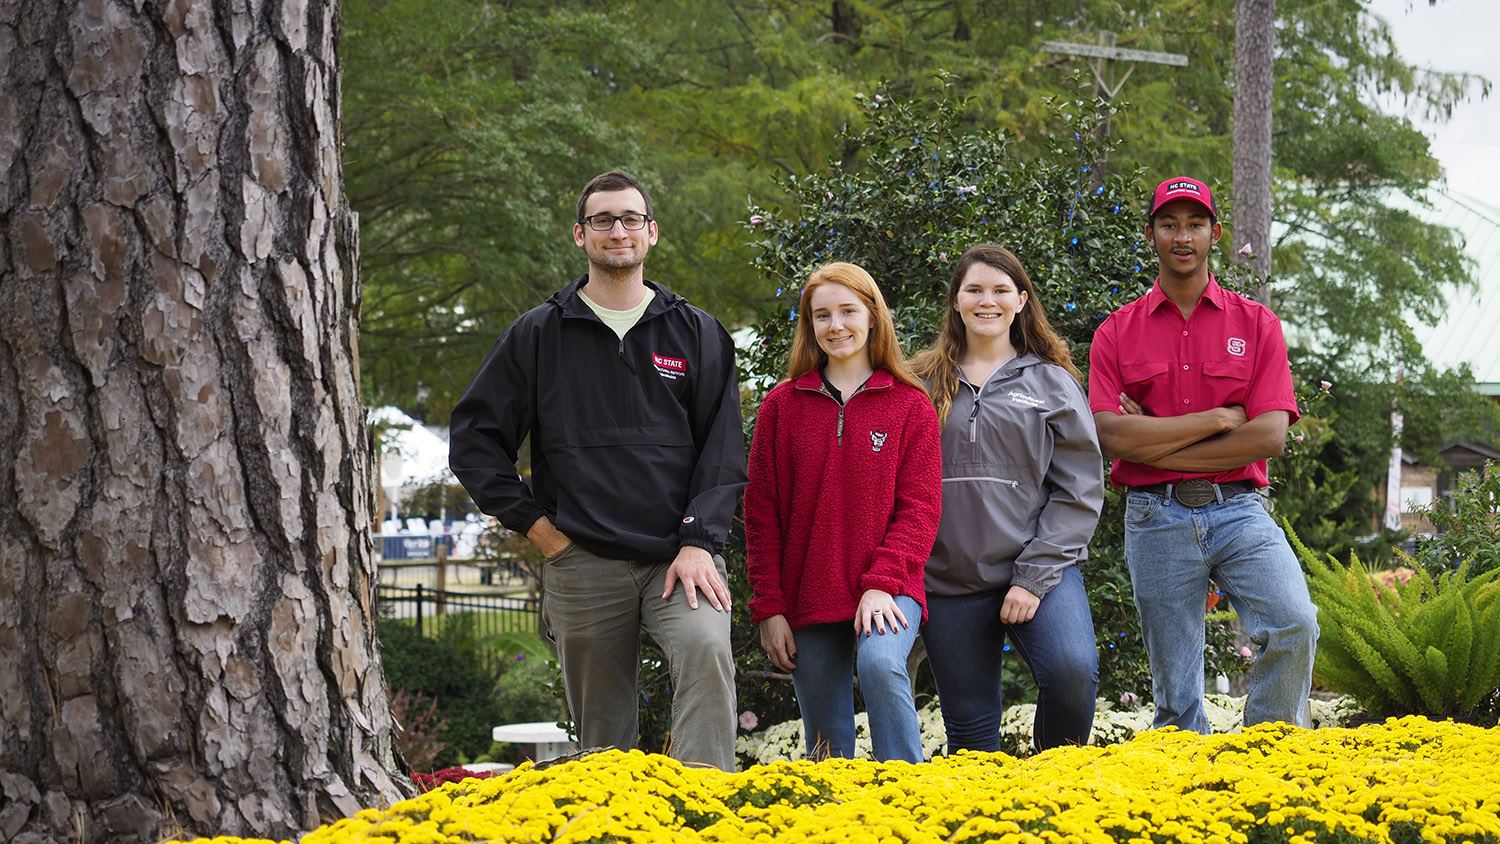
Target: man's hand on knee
{"points": [[695, 567]]}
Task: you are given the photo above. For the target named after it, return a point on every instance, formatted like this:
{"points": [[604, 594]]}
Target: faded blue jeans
{"points": [[965, 647], [824, 681], [1173, 552], [595, 608]]}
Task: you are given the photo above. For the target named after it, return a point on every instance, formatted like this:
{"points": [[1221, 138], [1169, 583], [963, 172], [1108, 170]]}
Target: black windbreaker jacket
{"points": [[636, 445]]}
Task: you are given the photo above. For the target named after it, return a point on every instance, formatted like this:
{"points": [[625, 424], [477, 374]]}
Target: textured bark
{"points": [[186, 611], [1254, 80]]}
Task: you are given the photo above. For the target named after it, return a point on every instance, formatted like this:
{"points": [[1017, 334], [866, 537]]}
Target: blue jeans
{"points": [[965, 646], [824, 681], [1173, 552]]}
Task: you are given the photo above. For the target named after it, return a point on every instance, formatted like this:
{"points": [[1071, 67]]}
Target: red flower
{"points": [[427, 782]]}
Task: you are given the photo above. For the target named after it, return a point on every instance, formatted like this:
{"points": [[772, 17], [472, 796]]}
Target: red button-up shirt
{"points": [[1229, 352]]}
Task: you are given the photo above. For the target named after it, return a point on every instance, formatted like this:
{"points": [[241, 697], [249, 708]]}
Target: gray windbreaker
{"points": [[1023, 482]]}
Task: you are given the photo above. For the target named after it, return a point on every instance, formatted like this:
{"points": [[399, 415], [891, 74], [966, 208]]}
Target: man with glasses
{"points": [[630, 398]]}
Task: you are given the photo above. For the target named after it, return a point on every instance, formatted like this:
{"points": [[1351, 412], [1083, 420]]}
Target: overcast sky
{"points": [[1456, 35]]}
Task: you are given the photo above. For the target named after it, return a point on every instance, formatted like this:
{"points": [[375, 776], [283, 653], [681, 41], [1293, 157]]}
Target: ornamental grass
{"points": [[1407, 780]]}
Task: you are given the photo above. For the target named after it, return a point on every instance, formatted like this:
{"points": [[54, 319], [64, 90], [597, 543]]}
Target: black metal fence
{"points": [[491, 614]]}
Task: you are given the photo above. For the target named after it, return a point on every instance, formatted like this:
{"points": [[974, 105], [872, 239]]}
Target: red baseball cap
{"points": [[1182, 187]]}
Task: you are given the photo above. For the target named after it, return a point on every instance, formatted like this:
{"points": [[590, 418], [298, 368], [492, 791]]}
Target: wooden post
{"points": [[440, 553], [1099, 56]]}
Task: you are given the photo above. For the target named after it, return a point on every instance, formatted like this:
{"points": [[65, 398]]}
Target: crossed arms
{"points": [[1214, 440]]}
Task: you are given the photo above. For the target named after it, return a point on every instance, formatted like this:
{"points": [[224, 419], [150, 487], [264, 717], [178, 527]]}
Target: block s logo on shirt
{"points": [[1236, 347], [669, 368]]}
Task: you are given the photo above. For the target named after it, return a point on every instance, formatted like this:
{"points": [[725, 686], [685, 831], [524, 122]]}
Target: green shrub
{"points": [[763, 693], [1468, 526], [530, 690], [447, 669], [915, 188], [1317, 493], [1426, 646]]}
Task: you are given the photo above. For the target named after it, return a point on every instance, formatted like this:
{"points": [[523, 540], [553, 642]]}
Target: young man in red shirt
{"points": [[1191, 392]]}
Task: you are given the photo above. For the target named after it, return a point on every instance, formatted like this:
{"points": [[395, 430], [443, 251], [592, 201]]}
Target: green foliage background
{"points": [[918, 188], [470, 127]]}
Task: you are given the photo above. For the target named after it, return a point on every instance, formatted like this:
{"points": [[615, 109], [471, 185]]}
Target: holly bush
{"points": [[915, 187]]}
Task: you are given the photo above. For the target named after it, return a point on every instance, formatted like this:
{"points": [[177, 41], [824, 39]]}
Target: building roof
{"points": [[1468, 455], [1470, 332]]}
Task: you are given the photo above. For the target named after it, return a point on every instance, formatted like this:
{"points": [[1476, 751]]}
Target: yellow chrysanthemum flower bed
{"points": [[1409, 780]]}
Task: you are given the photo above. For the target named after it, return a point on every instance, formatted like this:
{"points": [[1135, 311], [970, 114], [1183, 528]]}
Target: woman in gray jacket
{"points": [[1023, 483]]}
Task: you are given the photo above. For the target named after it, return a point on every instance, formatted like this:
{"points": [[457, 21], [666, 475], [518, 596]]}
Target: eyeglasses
{"points": [[605, 222]]}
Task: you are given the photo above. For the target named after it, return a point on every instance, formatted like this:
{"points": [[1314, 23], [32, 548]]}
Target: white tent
{"points": [[411, 454]]}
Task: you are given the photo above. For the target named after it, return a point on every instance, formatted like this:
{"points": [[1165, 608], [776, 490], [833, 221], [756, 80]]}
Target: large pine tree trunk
{"points": [[1254, 81], [186, 612]]}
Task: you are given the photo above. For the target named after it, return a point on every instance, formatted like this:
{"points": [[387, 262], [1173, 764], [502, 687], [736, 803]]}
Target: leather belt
{"points": [[1197, 491]]}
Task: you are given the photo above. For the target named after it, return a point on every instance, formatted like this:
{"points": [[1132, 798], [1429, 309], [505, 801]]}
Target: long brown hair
{"points": [[880, 345], [1029, 332]]}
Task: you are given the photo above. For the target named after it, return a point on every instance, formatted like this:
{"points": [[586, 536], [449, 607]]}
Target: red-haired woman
{"points": [[840, 514]]}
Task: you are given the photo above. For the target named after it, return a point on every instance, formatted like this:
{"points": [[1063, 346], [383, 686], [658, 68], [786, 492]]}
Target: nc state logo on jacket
{"points": [[668, 367], [877, 440]]}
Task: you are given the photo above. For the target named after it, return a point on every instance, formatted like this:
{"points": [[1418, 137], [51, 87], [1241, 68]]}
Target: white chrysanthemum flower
{"points": [[1114, 723]]}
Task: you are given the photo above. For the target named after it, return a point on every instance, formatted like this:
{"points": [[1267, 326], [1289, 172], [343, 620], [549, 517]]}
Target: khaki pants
{"points": [[595, 608]]}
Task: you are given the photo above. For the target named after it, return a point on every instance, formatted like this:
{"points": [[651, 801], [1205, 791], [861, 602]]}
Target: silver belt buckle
{"points": [[1194, 493]]}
